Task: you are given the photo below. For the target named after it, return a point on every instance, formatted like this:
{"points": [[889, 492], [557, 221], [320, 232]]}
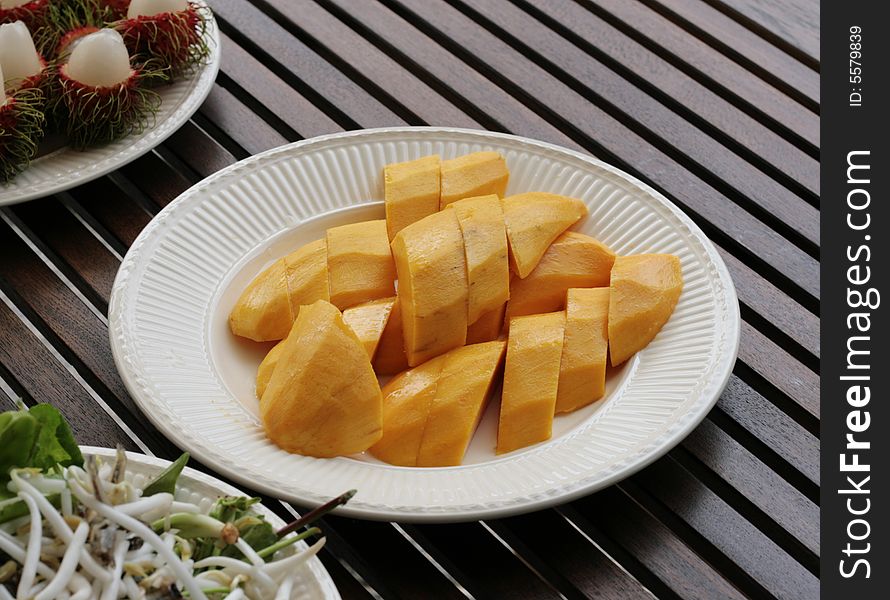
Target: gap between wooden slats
{"points": [[792, 25], [768, 62]]}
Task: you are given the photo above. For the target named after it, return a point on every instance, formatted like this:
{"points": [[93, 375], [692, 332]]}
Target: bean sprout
{"points": [[68, 566], [32, 553]]}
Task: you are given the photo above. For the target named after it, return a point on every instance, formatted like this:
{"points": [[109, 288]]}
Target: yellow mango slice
{"points": [[476, 174], [360, 265], [267, 367], [432, 270], [410, 192], [390, 357], [531, 380], [644, 291], [582, 369], [462, 392], [323, 398], [487, 327], [263, 312], [574, 260], [406, 405], [534, 220], [307, 275], [481, 222], [368, 321]]}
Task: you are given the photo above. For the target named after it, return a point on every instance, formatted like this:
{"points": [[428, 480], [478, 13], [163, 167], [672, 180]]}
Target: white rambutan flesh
{"points": [[13, 3], [99, 60], [18, 56], [150, 8]]}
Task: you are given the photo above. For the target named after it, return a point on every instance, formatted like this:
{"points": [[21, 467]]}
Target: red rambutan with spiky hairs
{"points": [[175, 40], [32, 14], [21, 128]]}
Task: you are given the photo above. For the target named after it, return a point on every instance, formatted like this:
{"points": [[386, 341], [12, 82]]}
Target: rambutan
{"points": [[22, 64], [31, 12], [21, 128], [170, 32], [103, 97]]}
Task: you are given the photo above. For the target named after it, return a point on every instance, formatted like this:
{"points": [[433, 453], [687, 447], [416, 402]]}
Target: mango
{"points": [[487, 327], [643, 293], [432, 271], [267, 367], [410, 192], [534, 220], [574, 260], [263, 312], [407, 399], [307, 275], [368, 321], [531, 380], [390, 357], [476, 174], [481, 222], [360, 265], [323, 398], [582, 368], [462, 391]]}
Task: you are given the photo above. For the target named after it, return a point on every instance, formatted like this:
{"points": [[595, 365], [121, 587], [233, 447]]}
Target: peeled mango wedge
{"points": [[390, 357], [307, 275], [481, 222], [432, 270], [360, 265], [267, 307], [488, 327], [476, 174], [267, 367], [263, 312], [368, 321], [644, 291], [407, 399], [582, 369], [323, 398], [574, 260], [531, 380], [410, 192], [462, 393], [534, 220]]}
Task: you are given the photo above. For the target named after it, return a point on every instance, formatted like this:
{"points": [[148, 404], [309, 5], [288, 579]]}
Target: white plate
{"points": [[194, 379], [203, 490], [66, 168]]}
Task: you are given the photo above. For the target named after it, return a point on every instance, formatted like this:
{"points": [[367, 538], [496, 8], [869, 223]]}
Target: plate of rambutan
{"points": [[90, 85]]}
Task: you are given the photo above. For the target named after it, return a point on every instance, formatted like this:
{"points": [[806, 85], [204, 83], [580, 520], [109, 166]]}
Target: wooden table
{"points": [[713, 102]]}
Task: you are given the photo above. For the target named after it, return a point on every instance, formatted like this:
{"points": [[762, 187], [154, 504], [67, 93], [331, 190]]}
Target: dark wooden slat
{"points": [[306, 65], [275, 95], [372, 64], [709, 516], [770, 302], [47, 380], [204, 154], [123, 217], [714, 66], [527, 80], [64, 235], [668, 103], [79, 332], [347, 586], [763, 487], [774, 429], [145, 174], [482, 564], [411, 576], [566, 552], [743, 45], [227, 113], [774, 364], [498, 109], [616, 520], [795, 22]]}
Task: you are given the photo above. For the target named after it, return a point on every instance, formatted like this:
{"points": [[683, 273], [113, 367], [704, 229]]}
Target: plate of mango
{"points": [[459, 324]]}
